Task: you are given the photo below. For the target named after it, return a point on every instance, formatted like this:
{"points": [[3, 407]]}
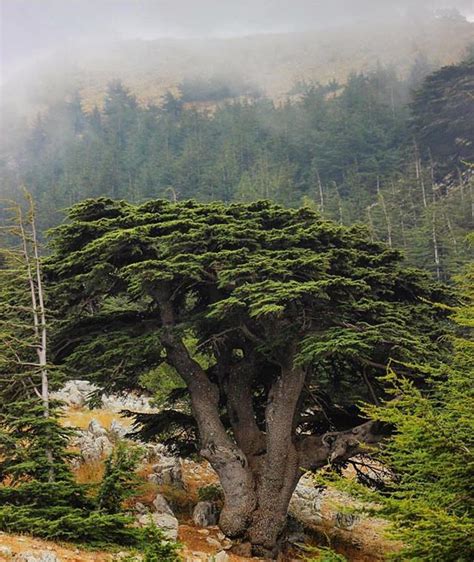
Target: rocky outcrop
{"points": [[160, 505], [160, 514], [205, 514], [164, 521], [168, 472], [76, 393], [327, 514], [93, 443]]}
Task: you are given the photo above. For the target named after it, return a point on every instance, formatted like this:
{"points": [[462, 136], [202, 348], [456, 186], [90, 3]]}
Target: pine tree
{"points": [[38, 494]]}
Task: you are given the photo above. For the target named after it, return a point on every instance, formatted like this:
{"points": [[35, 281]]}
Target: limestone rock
{"points": [[117, 430], [306, 504], [222, 556], [205, 514], [5, 552], [167, 471], [160, 505], [167, 523], [96, 429], [346, 520]]}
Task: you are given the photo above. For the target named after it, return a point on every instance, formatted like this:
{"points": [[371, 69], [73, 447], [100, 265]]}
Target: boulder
{"points": [[306, 504], [96, 429], [117, 430], [221, 556], [160, 505], [5, 552], [205, 514], [93, 447], [346, 520], [167, 523], [140, 508], [167, 471]]}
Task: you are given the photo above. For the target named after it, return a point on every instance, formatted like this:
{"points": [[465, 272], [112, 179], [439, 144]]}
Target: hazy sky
{"points": [[32, 27]]}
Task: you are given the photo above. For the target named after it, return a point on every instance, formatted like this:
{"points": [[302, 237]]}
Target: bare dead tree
{"points": [[24, 228]]}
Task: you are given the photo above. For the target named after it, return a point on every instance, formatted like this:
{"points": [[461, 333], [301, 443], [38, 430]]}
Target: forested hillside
{"points": [[370, 150]]}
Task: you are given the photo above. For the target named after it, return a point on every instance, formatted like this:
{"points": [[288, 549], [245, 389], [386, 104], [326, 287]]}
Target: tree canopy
{"points": [[297, 316]]}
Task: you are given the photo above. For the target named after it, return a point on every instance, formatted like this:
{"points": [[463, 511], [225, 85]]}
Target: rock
{"points": [[214, 542], [96, 429], [5, 552], [167, 472], [93, 447], [76, 393], [167, 523], [117, 430], [94, 442], [140, 508], [205, 514], [221, 556], [346, 520], [43, 556], [306, 503], [160, 505]]}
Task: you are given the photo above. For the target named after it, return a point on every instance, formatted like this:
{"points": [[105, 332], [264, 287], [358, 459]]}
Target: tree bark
{"points": [[227, 459], [258, 469], [280, 472]]}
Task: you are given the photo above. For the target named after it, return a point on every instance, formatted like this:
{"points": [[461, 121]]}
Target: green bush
{"points": [[210, 493], [155, 547], [119, 478]]}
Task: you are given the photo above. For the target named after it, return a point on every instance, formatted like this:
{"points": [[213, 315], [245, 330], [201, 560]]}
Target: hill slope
{"points": [[273, 62]]}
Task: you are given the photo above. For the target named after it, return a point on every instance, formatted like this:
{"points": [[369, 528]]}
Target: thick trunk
{"points": [[258, 470], [217, 447], [281, 468], [274, 493]]}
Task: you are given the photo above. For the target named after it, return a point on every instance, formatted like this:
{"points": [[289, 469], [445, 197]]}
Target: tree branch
{"points": [[339, 446]]}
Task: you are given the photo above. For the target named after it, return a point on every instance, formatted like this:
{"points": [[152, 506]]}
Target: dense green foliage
{"points": [[431, 454], [119, 479], [428, 462], [444, 114], [38, 493], [154, 547], [346, 303], [347, 149]]}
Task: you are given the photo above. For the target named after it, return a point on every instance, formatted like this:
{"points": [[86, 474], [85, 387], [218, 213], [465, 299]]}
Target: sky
{"points": [[32, 28]]}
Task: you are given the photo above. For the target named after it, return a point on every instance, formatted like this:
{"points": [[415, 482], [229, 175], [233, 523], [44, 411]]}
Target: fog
{"points": [[33, 28]]}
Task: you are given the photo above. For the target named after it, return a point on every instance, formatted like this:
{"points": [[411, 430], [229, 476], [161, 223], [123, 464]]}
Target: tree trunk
{"points": [[258, 468]]}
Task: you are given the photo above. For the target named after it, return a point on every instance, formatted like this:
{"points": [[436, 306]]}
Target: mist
{"points": [[35, 28]]}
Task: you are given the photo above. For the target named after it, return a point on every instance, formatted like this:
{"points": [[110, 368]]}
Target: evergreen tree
{"points": [[286, 305], [38, 494]]}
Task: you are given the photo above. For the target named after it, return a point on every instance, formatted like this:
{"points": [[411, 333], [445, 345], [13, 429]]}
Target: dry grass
{"points": [[81, 419], [90, 472], [197, 476]]}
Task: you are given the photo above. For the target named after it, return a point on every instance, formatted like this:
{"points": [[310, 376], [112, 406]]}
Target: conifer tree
{"points": [[297, 315], [38, 494], [428, 498]]}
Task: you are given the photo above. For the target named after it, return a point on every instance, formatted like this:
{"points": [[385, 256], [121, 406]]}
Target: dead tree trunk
{"points": [[31, 258]]}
